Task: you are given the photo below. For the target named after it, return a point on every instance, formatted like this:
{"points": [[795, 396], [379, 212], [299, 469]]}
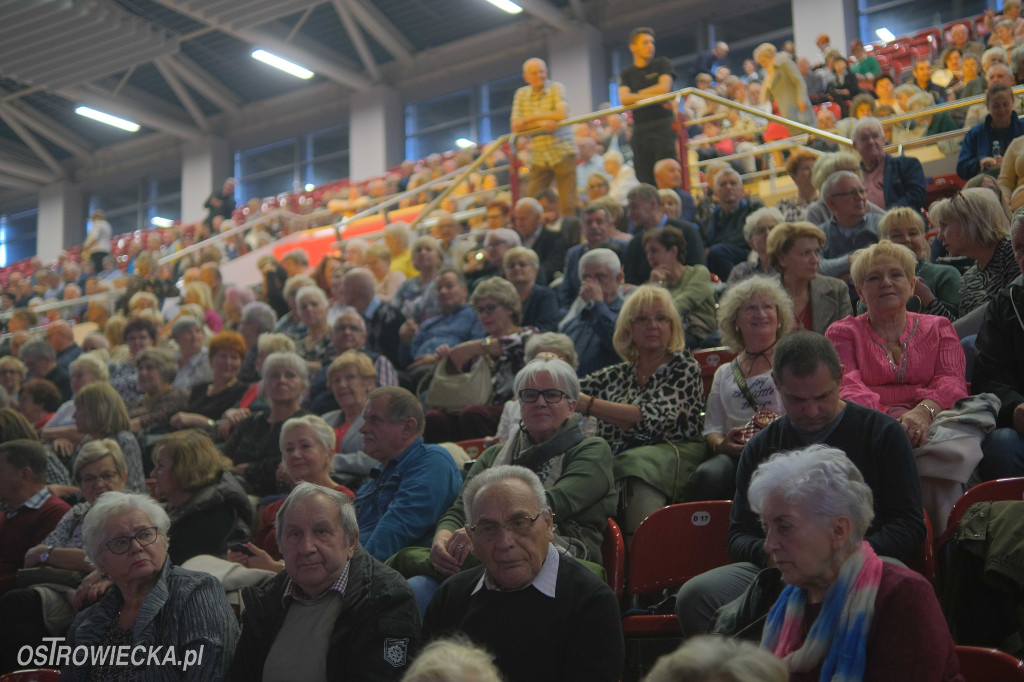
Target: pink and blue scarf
{"points": [[838, 639]]}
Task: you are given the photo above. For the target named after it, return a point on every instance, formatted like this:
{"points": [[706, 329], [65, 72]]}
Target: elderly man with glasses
{"points": [[542, 614], [851, 227]]}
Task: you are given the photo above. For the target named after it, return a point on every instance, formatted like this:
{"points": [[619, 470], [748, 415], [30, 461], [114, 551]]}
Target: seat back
{"points": [[989, 491], [923, 560], [34, 675], [613, 557], [677, 543], [473, 447], [979, 664], [710, 359]]}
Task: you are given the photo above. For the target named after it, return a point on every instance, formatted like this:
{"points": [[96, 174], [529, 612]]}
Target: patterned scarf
{"points": [[838, 639]]}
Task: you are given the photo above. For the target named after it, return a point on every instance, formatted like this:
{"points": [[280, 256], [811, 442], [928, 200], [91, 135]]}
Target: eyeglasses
{"points": [[145, 536], [851, 193], [489, 308], [551, 395], [106, 477], [517, 525]]}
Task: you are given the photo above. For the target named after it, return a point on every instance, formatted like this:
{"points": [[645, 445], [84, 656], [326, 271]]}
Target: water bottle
{"points": [[997, 148]]}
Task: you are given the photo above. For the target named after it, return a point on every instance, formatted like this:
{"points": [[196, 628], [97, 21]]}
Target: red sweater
{"points": [[28, 528]]}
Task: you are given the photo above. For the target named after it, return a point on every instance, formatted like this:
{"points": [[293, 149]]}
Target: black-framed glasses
{"points": [[488, 308], [144, 536], [551, 395], [518, 525]]}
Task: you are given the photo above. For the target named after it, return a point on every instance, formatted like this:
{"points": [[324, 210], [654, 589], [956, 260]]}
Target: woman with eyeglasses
{"points": [[497, 304], [648, 407], [794, 250], [576, 471], [152, 602], [46, 610]]}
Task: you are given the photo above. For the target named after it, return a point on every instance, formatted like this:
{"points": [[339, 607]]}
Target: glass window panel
{"points": [[444, 109], [440, 141], [127, 221], [328, 170], [499, 126], [269, 185], [269, 157], [330, 141], [500, 93], [167, 186], [916, 16], [116, 199], [167, 208]]}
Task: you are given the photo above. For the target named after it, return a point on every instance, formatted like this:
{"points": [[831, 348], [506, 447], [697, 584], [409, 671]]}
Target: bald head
{"points": [[535, 73], [358, 288], [668, 174]]}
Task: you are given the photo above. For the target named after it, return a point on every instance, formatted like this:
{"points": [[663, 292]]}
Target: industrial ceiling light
{"points": [[885, 34], [463, 143], [283, 64], [95, 115], [506, 6]]}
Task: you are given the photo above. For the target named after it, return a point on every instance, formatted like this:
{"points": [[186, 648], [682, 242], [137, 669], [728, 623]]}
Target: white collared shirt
{"points": [[544, 581]]}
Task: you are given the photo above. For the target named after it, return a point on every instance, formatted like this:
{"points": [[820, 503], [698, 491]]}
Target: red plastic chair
{"points": [[613, 557], [942, 187], [921, 50], [923, 560], [932, 34], [980, 26], [34, 675], [978, 664], [710, 359], [473, 447], [671, 546], [902, 61], [989, 491]]}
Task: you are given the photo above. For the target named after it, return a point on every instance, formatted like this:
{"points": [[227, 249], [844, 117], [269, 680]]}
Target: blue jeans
{"points": [[423, 588], [722, 258], [1002, 455]]}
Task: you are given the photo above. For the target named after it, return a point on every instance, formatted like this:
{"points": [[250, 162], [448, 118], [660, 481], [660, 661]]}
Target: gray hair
{"points": [[275, 343], [260, 314], [345, 314], [834, 179], [738, 294], [362, 281], [296, 282], [559, 370], [399, 231], [312, 292], [94, 451], [502, 291], [304, 491], [92, 362], [323, 433], [402, 405], [503, 235], [184, 323], [521, 252], [827, 164], [551, 342], [532, 203], [111, 504], [763, 213], [603, 257], [298, 255], [37, 348], [162, 359], [726, 172], [455, 658], [507, 472], [864, 124], [993, 56], [712, 657], [822, 480], [292, 361], [921, 100]]}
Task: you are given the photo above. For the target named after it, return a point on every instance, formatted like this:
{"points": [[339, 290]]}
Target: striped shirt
{"points": [[977, 286]]}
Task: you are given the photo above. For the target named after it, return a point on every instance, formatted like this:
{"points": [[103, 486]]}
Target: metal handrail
{"points": [[945, 106]]}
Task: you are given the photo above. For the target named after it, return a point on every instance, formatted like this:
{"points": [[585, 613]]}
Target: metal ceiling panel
{"points": [[224, 12], [80, 50]]}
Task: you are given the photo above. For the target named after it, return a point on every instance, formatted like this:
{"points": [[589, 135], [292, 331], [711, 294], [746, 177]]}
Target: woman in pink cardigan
{"points": [[908, 365]]}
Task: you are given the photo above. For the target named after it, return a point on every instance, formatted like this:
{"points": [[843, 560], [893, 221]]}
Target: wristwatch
{"points": [[45, 556], [488, 340]]}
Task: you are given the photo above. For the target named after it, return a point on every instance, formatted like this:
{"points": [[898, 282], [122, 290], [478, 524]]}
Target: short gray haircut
{"points": [[822, 480], [603, 257], [503, 235], [763, 213], [347, 314], [275, 343], [92, 362], [322, 432], [399, 231], [834, 179], [532, 203], [993, 56], [313, 292], [304, 491], [111, 504], [502, 291], [94, 451], [296, 282], [865, 123], [259, 314], [479, 483], [712, 657], [162, 359], [521, 252], [298, 255], [551, 342], [292, 361], [184, 323], [725, 172], [37, 348], [559, 370], [456, 658]]}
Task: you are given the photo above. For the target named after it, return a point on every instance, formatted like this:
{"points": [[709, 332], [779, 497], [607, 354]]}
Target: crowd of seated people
{"points": [[310, 397]]}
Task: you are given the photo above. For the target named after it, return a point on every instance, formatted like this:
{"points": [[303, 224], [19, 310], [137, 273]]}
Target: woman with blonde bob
{"points": [[844, 613], [908, 365], [795, 253], [350, 377], [100, 413], [936, 287], [972, 224], [648, 406], [752, 316]]}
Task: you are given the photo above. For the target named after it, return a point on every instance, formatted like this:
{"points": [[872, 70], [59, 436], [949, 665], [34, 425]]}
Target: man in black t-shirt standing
{"points": [[653, 137]]}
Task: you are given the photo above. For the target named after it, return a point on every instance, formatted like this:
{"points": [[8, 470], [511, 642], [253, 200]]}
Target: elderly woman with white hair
{"points": [[755, 230], [193, 359], [417, 297], [316, 347], [253, 443], [87, 368], [752, 316], [844, 613], [152, 602]]}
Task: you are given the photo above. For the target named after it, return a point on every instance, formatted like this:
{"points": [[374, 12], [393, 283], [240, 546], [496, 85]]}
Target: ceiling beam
{"points": [[322, 61], [13, 35], [13, 166], [382, 30], [546, 12], [7, 180], [182, 93], [120, 106], [206, 85], [31, 142], [254, 14], [355, 34], [47, 127]]}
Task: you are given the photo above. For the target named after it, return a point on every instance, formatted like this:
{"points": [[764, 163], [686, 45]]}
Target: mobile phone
{"points": [[239, 547]]}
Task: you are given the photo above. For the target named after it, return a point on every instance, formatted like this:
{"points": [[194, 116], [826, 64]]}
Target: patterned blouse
{"points": [[978, 287], [323, 351], [670, 403], [68, 531]]}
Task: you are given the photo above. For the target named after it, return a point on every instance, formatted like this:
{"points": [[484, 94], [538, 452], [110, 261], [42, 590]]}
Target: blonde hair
{"points": [[200, 291], [784, 235], [863, 259], [738, 294], [902, 215], [642, 300], [827, 164], [353, 358], [195, 461], [979, 213]]}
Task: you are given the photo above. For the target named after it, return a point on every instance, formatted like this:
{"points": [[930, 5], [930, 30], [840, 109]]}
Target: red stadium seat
{"points": [[921, 51], [902, 62], [941, 187], [34, 675], [709, 360], [671, 546], [923, 560], [613, 557], [932, 34], [979, 664], [472, 447]]}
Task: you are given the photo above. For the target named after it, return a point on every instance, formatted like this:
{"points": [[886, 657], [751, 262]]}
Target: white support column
{"points": [[577, 60], [61, 221], [205, 164], [376, 136], [836, 18]]}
